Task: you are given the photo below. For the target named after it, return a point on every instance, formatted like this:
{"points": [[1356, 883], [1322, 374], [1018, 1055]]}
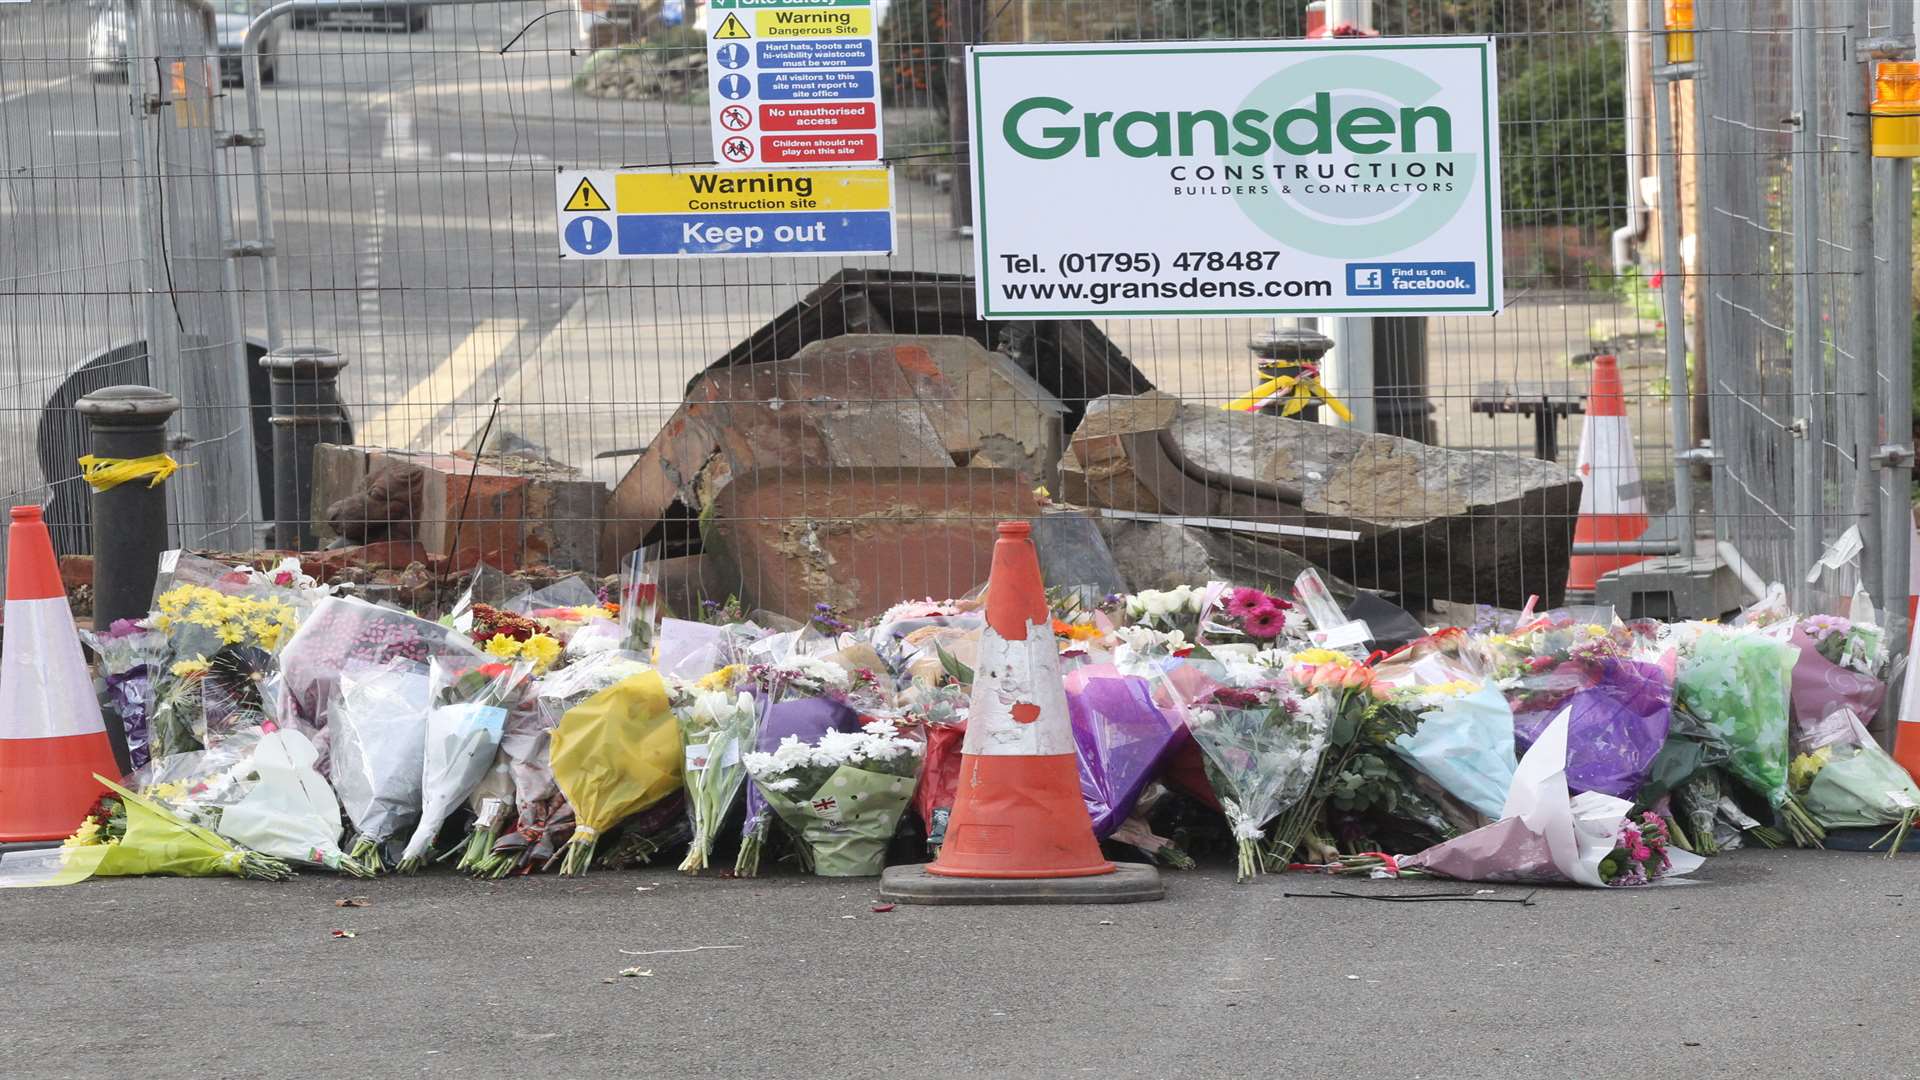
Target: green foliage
{"points": [[913, 54], [1562, 143]]}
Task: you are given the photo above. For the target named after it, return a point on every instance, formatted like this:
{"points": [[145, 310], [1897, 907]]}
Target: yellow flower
{"points": [[87, 835], [189, 668], [502, 647], [719, 680], [542, 650], [1596, 630], [1322, 656], [1802, 770], [162, 622]]}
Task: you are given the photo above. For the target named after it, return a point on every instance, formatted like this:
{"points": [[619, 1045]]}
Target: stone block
{"points": [[1433, 523], [506, 510], [861, 539], [859, 400]]}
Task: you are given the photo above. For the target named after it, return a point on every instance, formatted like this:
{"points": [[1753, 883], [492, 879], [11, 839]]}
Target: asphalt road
{"points": [[1788, 964]]}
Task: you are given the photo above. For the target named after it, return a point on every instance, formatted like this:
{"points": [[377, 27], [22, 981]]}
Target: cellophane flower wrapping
{"points": [[541, 815], [639, 603], [470, 700], [1122, 737], [716, 731], [341, 633], [1464, 742], [1262, 753], [259, 790], [1620, 712], [1737, 682], [942, 713], [794, 699], [842, 794], [220, 645], [1545, 834], [1849, 782], [613, 755], [378, 717], [147, 839], [131, 658], [1823, 688]]}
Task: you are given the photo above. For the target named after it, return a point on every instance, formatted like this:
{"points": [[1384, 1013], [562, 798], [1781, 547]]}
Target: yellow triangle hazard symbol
{"points": [[731, 30], [585, 197]]}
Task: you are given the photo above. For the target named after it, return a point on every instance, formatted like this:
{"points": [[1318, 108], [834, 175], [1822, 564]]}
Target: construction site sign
{"points": [[723, 212], [1329, 177], [793, 82]]}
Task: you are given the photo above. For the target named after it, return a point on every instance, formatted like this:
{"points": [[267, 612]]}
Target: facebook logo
{"points": [[1409, 279]]}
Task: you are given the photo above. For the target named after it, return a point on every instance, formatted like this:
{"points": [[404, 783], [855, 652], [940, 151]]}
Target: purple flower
{"points": [[1822, 627]]}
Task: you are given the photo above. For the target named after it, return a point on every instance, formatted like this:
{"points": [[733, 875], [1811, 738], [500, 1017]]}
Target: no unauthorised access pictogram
{"points": [[586, 197], [732, 29]]}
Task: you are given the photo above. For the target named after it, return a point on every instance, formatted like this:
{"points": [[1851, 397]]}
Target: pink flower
{"points": [[1358, 677], [1657, 280], [284, 577], [1243, 602], [1329, 677], [1642, 853], [1264, 623]]}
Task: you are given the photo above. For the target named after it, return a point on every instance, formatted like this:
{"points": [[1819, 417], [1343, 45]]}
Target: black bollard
{"points": [[306, 413], [129, 518]]}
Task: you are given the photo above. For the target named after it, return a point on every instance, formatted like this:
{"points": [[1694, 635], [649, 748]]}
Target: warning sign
{"points": [[717, 212], [585, 197], [768, 56]]}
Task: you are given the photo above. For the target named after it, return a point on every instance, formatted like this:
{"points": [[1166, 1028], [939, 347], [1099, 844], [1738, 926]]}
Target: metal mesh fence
{"points": [[403, 195]]}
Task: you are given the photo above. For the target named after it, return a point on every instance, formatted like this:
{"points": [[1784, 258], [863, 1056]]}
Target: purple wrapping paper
{"points": [[1123, 740], [1620, 718], [1821, 686], [809, 718]]}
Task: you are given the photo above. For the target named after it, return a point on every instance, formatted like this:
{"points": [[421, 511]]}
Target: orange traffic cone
{"points": [[1018, 813], [1906, 727], [52, 738], [1612, 508]]}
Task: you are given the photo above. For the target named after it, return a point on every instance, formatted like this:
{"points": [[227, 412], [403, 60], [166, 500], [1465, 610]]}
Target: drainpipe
{"points": [[1629, 234]]}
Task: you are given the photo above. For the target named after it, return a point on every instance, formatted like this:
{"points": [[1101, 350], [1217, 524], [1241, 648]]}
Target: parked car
{"points": [[409, 17], [107, 41]]}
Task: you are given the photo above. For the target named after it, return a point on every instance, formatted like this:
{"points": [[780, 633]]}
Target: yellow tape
{"points": [[106, 473], [1300, 390]]}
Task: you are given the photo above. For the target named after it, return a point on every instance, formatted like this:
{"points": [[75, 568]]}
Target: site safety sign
{"points": [[1332, 177], [793, 82], [643, 214]]}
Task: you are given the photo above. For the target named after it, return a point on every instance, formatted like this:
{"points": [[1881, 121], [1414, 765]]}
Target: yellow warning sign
{"points": [[731, 30], [586, 197]]}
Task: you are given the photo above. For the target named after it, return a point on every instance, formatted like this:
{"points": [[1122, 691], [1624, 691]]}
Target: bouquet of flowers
{"points": [[941, 712], [842, 794], [379, 720], [716, 729], [1849, 782], [1738, 683], [1176, 610], [1263, 753], [1463, 740], [1857, 646], [259, 790], [127, 834], [613, 755], [1620, 711], [1245, 614], [470, 700], [507, 636], [1123, 738], [342, 633], [220, 647], [798, 697], [1836, 674], [131, 658], [540, 815], [639, 604], [1640, 855], [1339, 692]]}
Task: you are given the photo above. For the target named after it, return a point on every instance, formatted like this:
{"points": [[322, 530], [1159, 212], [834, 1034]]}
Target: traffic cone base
{"points": [[1020, 789], [39, 801]]}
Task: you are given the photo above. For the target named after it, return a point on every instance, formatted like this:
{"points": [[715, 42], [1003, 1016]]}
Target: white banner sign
{"points": [[1329, 177]]}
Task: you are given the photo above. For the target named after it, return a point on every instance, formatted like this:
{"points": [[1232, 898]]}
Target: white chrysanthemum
{"points": [[791, 754], [782, 786], [759, 764], [837, 748]]}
